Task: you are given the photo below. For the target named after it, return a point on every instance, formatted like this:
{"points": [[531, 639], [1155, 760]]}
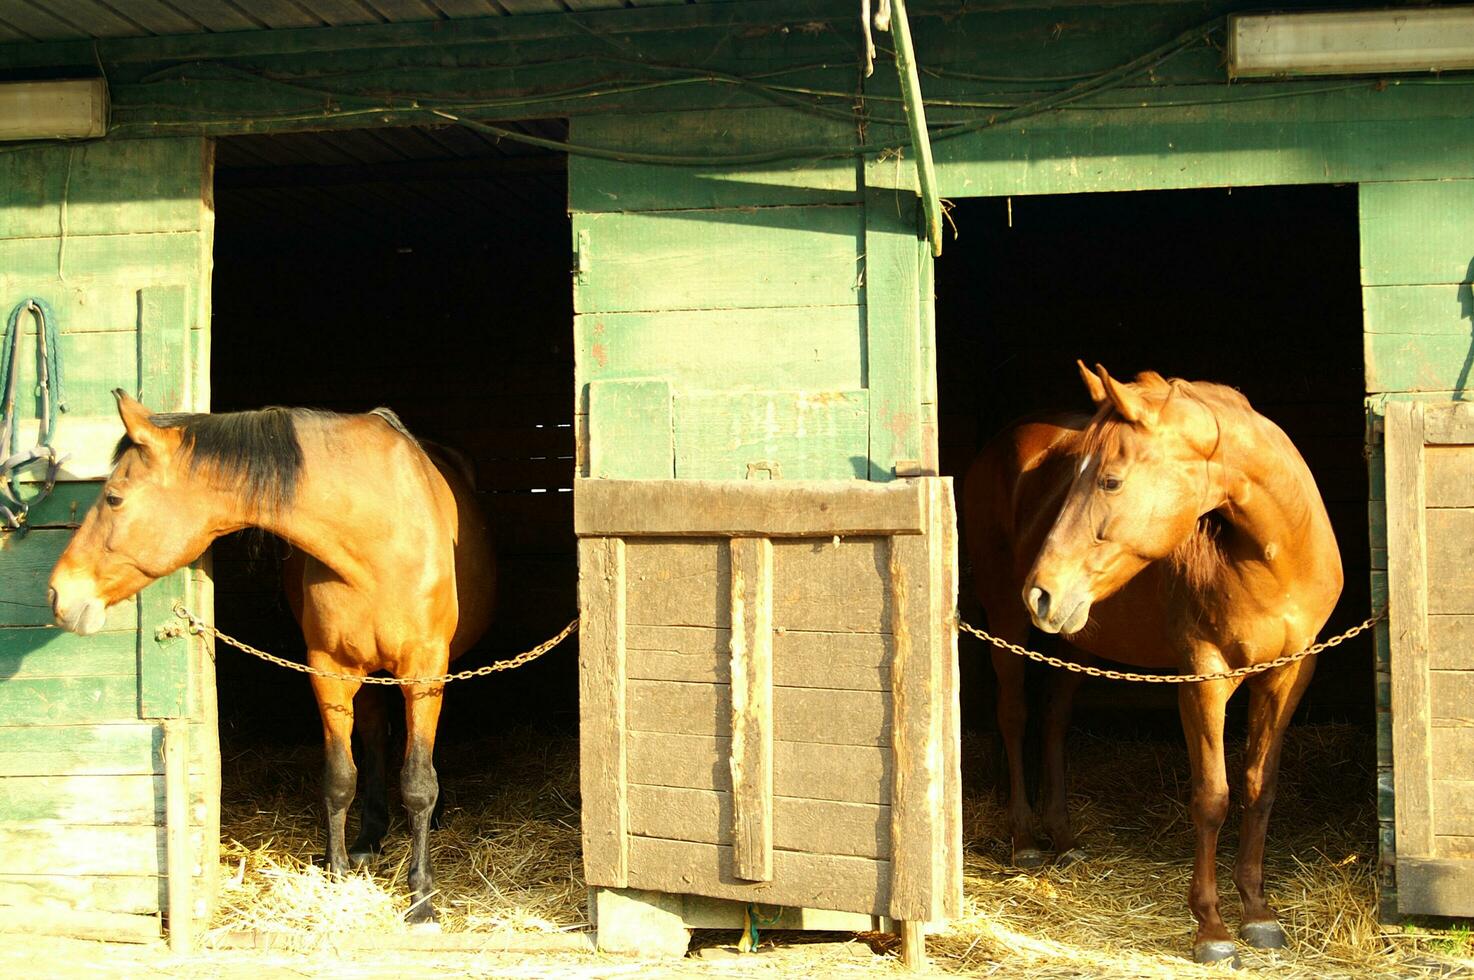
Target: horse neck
{"points": [[329, 517], [1269, 497]]}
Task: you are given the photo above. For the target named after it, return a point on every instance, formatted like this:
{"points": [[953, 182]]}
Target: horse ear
{"points": [[1127, 401], [138, 423], [1092, 383]]}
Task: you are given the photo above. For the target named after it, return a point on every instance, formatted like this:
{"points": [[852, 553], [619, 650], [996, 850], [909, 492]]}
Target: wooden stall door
{"points": [[768, 692], [114, 238], [1430, 540]]}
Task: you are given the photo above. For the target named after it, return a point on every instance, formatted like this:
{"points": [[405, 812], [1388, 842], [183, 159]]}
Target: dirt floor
{"points": [[509, 869]]}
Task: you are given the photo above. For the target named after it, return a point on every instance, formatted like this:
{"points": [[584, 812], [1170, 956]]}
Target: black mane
{"points": [[259, 450]]}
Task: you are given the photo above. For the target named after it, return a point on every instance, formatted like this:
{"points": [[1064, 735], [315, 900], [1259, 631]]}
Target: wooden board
{"points": [[846, 661], [730, 259], [752, 712], [811, 826], [603, 772], [841, 773], [722, 508], [789, 435], [799, 880], [25, 567], [832, 586], [894, 263], [90, 800], [801, 715], [1449, 477], [1411, 233], [678, 583], [630, 430]]}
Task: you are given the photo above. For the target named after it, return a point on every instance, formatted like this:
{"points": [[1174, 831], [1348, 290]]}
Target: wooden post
{"points": [[913, 945], [926, 171], [179, 861], [601, 679], [752, 708]]}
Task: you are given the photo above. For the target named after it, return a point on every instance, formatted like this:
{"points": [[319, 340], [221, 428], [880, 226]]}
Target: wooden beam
{"points": [[476, 168], [728, 508], [926, 170], [180, 863], [752, 708], [601, 702]]}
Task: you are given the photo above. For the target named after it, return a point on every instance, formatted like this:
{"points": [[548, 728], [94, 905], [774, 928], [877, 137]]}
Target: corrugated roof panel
{"points": [[153, 16], [343, 13], [89, 16]]}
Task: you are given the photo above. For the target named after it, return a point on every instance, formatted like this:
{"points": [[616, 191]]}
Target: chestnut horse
{"points": [[1175, 528], [398, 561]]}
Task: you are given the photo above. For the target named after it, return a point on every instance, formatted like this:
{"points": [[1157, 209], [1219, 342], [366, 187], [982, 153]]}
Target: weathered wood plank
{"points": [[25, 567], [1448, 423], [93, 800], [814, 348], [1426, 362], [110, 187], [1453, 806], [842, 773], [35, 652], [1451, 698], [894, 256], [1449, 560], [751, 692], [69, 700], [712, 508], [1417, 310], [116, 927], [1451, 642], [131, 259], [603, 766], [602, 185], [1454, 750], [829, 586], [1411, 232], [1434, 886], [1408, 618], [179, 862], [1450, 476], [135, 894], [66, 849], [793, 435], [944, 550], [724, 259], [847, 661], [916, 737], [805, 880], [827, 717], [164, 666], [678, 583], [119, 749], [630, 430], [810, 826], [1461, 848]]}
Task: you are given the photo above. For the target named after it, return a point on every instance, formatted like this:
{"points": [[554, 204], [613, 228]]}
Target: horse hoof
{"points": [[362, 859], [1028, 858], [423, 915], [1074, 855], [1263, 935], [1216, 951]]}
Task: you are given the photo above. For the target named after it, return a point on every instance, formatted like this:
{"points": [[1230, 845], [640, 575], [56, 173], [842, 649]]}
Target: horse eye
{"points": [[113, 500], [1110, 484]]}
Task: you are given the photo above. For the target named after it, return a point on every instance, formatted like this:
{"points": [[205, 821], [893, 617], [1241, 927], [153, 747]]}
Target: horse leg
{"points": [[1013, 716], [420, 788], [1202, 707], [1272, 699], [1054, 802], [339, 776], [371, 723]]}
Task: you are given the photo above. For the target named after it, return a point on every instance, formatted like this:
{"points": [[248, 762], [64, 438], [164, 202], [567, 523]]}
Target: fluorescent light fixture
{"points": [[1408, 39], [68, 108]]}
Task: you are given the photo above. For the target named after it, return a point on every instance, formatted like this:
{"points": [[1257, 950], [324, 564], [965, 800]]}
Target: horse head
{"points": [[1142, 480], [153, 517]]}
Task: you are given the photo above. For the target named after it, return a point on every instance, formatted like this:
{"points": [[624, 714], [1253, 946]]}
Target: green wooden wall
{"points": [[745, 323], [115, 236]]}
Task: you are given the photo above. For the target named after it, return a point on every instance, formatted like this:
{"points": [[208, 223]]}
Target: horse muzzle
{"points": [[83, 615], [1065, 613]]}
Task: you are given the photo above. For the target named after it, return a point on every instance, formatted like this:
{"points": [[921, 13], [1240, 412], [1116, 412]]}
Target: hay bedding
{"points": [[508, 862]]}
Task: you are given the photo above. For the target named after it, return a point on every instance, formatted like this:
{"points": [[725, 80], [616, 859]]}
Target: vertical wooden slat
{"points": [[1408, 622], [601, 705], [943, 536], [752, 708], [163, 368], [179, 862], [893, 258], [917, 754]]}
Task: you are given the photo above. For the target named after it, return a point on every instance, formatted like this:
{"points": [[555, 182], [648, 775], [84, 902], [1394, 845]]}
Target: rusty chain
{"points": [[199, 627], [1131, 675]]}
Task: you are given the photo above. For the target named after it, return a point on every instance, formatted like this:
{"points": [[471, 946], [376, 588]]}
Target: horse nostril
{"points": [[1039, 602], [51, 598]]}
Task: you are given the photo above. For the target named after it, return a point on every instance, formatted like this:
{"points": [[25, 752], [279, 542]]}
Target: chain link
{"points": [[1131, 675], [198, 627]]}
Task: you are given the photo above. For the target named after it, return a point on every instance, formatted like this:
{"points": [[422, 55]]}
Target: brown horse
{"points": [[1176, 528], [398, 561]]}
